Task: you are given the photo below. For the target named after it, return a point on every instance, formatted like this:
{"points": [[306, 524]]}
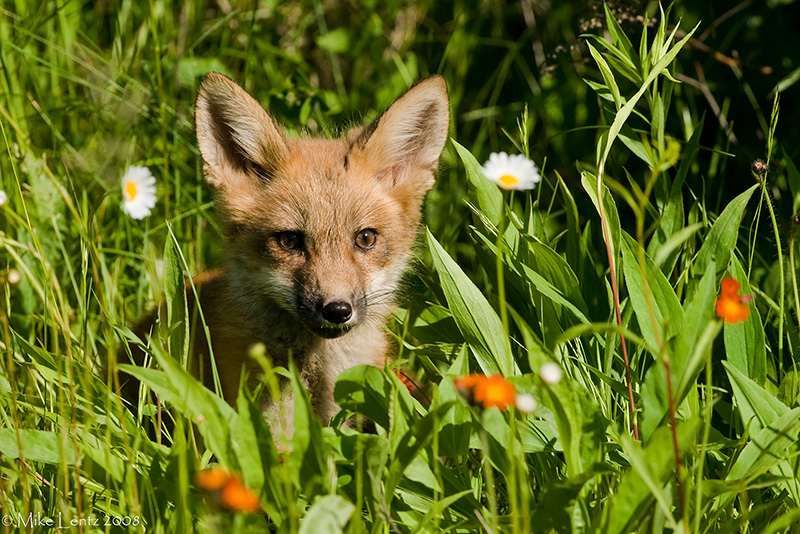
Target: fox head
{"points": [[321, 229]]}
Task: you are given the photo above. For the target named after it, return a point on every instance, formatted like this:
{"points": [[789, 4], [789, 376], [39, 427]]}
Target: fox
{"points": [[317, 235]]}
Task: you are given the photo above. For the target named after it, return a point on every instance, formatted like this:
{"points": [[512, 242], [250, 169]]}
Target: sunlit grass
{"points": [[627, 236]]}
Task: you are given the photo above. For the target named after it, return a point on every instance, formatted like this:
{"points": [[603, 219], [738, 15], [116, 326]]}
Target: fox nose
{"points": [[337, 312]]}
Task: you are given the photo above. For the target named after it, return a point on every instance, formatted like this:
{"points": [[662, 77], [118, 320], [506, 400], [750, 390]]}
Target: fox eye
{"points": [[365, 239], [290, 240]]}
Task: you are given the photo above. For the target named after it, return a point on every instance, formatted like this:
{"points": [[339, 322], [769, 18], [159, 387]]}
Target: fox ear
{"points": [[404, 144], [237, 138]]}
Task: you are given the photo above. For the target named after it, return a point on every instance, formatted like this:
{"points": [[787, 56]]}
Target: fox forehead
{"points": [[375, 177], [316, 191]]}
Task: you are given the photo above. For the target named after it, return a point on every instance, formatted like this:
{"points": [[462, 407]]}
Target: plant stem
{"points": [[675, 448], [782, 291], [793, 272], [515, 472], [500, 266], [708, 393], [490, 487], [615, 291], [763, 179]]}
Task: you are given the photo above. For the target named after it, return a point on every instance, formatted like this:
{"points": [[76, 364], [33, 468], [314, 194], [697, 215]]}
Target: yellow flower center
{"points": [[508, 181], [130, 191]]}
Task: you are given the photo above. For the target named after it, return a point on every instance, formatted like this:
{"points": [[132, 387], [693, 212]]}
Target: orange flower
{"points": [[404, 379], [732, 307], [487, 390], [467, 383], [730, 288], [495, 391], [212, 479], [239, 498], [228, 489]]}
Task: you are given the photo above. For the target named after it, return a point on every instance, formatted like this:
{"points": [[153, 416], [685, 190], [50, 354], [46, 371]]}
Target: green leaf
{"points": [[455, 426], [608, 76], [626, 51], [481, 191], [670, 234], [793, 177], [768, 448], [553, 320], [573, 225], [106, 461], [555, 509], [581, 426], [329, 514], [757, 406], [476, 319], [412, 447], [698, 311], [212, 415], [255, 448], [438, 509], [589, 182], [36, 446], [616, 59], [664, 303], [623, 114], [686, 355], [637, 147], [364, 389], [721, 240], [191, 69], [668, 252], [745, 344], [547, 263], [789, 391], [644, 482], [534, 436], [336, 41], [307, 460], [175, 296]]}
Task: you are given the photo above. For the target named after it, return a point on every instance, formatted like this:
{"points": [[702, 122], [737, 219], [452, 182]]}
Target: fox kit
{"points": [[317, 233]]}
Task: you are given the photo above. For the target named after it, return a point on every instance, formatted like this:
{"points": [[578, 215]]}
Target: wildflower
{"points": [[487, 391], [404, 379], [526, 403], [139, 190], [732, 307], [511, 172], [495, 391], [228, 489], [760, 168], [465, 385], [3, 198], [550, 373], [239, 498], [212, 479], [467, 382]]}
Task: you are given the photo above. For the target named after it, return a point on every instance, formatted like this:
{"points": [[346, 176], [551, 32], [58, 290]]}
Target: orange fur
{"points": [[294, 213]]}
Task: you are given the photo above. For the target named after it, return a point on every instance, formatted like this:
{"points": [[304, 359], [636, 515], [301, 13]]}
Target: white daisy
{"points": [[550, 373], [139, 190], [511, 172], [3, 198]]}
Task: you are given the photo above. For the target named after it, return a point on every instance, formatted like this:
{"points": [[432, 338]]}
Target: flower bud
{"points": [[550, 373], [526, 403], [13, 277]]}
